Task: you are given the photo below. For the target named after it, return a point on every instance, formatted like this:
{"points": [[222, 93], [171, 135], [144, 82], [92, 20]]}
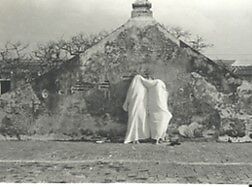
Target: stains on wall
{"points": [[17, 111], [83, 100]]}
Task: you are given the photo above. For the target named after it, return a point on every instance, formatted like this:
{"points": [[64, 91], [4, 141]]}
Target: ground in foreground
{"points": [[208, 162]]}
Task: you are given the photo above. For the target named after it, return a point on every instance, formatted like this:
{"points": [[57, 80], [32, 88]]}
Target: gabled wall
{"points": [[83, 98]]}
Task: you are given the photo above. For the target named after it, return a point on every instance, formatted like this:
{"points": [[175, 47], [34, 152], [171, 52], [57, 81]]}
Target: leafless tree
{"points": [[49, 53], [199, 44], [14, 57], [17, 57], [196, 42], [179, 33], [13, 51], [80, 43], [59, 51]]}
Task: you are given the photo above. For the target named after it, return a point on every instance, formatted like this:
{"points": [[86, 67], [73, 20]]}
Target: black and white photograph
{"points": [[126, 91]]}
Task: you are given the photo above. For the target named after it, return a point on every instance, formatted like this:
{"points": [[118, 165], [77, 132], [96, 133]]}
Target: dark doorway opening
{"points": [[5, 86]]}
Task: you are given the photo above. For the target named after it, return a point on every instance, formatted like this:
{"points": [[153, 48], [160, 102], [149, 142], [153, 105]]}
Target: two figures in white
{"points": [[148, 114]]}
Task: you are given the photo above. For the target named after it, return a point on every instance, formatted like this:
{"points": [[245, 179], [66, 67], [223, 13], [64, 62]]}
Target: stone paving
{"points": [[61, 162]]}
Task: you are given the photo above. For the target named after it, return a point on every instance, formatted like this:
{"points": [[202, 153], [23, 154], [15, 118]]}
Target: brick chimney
{"points": [[141, 8]]}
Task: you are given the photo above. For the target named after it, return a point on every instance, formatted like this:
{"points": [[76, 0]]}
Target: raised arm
{"points": [[148, 83]]}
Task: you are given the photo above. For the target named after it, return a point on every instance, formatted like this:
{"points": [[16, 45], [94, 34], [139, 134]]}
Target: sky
{"points": [[225, 23]]}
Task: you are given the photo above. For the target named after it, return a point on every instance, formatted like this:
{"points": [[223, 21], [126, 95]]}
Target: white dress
{"points": [[148, 114], [135, 104], [158, 116]]}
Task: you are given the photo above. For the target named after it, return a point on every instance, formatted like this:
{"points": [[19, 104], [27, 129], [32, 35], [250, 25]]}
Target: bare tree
{"points": [[196, 42], [59, 51], [16, 57], [49, 54], [80, 43], [13, 51], [179, 33], [4, 52], [199, 44]]}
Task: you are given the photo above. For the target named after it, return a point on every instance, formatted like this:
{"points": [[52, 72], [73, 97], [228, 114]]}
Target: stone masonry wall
{"points": [[83, 100]]}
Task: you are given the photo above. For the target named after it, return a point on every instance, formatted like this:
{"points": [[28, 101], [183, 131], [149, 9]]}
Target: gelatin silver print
{"points": [[126, 91]]}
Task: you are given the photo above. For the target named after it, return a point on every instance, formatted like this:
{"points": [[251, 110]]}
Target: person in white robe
{"points": [[135, 104], [158, 116]]}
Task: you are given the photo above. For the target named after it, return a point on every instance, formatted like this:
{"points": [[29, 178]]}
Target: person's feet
{"points": [[162, 141], [159, 141], [136, 142]]}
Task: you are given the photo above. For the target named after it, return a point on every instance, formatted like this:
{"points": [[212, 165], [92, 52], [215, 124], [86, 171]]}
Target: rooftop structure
{"points": [[141, 8]]}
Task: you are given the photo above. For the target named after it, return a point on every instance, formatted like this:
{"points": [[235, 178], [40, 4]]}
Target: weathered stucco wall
{"points": [[83, 99], [17, 111]]}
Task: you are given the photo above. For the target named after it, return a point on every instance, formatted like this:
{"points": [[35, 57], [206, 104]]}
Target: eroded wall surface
{"points": [[83, 99]]}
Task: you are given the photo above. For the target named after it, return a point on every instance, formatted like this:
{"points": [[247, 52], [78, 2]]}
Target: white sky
{"points": [[225, 23]]}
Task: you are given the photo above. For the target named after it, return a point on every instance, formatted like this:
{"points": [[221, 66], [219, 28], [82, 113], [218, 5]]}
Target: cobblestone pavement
{"points": [[58, 162]]}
